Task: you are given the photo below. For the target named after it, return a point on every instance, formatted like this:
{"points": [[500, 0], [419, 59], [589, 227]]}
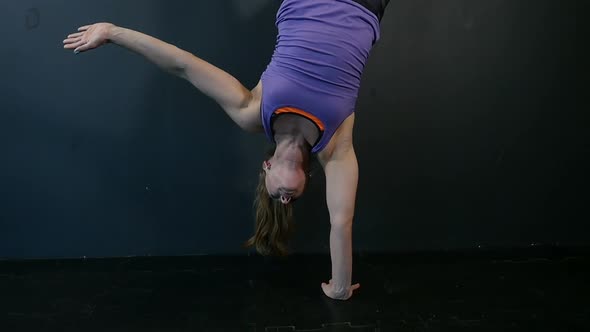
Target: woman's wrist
{"points": [[112, 33]]}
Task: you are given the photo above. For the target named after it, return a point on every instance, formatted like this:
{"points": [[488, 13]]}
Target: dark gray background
{"points": [[469, 131]]}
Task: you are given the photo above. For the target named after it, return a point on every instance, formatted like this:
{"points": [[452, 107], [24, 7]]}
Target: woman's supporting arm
{"points": [[238, 102], [341, 185]]}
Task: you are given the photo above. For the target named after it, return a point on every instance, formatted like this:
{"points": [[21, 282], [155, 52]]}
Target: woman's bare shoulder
{"points": [[250, 115]]}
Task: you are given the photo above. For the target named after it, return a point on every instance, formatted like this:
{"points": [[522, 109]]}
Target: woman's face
{"points": [[283, 181]]}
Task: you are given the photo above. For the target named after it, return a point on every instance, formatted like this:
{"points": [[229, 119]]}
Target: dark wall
{"points": [[468, 131]]}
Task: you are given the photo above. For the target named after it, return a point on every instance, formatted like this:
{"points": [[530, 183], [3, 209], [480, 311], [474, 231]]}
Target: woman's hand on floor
{"points": [[336, 294]]}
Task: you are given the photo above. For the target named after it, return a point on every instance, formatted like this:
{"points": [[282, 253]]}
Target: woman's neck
{"points": [[296, 128], [292, 148]]}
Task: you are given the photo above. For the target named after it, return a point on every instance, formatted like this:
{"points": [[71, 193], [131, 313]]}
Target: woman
{"points": [[304, 103]]}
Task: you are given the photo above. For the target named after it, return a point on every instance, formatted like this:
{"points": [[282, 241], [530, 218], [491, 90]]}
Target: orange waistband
{"points": [[312, 117]]}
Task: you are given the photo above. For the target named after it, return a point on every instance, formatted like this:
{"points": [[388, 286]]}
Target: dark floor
{"points": [[544, 289]]}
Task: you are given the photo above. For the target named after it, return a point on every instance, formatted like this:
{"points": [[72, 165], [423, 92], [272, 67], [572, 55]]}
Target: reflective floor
{"points": [[542, 289]]}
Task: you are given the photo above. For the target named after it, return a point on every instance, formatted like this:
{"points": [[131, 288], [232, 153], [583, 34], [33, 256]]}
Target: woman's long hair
{"points": [[274, 223]]}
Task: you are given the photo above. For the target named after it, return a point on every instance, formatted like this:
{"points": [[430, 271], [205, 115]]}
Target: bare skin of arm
{"points": [[341, 168], [242, 105]]}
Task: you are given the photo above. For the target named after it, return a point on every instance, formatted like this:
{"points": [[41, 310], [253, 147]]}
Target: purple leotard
{"points": [[321, 51]]}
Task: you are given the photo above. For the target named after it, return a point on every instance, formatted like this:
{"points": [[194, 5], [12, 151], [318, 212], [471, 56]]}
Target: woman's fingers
{"points": [[84, 28], [72, 40], [75, 45], [355, 287], [71, 45], [76, 35], [83, 48]]}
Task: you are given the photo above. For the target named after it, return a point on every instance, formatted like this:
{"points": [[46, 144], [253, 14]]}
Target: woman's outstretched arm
{"points": [[237, 101]]}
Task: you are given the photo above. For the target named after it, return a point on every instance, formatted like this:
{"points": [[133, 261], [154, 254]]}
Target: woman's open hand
{"points": [[88, 37]]}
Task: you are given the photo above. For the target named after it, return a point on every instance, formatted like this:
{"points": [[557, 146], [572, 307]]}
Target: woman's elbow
{"points": [[341, 224], [179, 66]]}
